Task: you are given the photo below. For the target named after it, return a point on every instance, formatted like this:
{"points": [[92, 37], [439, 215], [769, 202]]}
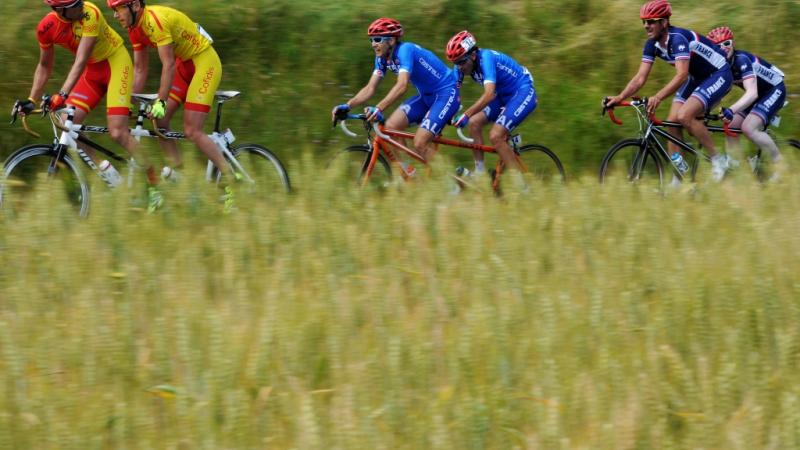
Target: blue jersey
{"points": [[428, 73], [746, 65], [704, 57], [508, 75]]}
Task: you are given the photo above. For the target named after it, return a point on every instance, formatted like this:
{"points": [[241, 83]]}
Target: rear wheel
{"points": [[25, 173], [542, 164], [263, 173], [634, 161], [352, 162]]}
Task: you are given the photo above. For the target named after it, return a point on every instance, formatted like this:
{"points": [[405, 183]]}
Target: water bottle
{"points": [[462, 171], [169, 174], [679, 163], [109, 174]]}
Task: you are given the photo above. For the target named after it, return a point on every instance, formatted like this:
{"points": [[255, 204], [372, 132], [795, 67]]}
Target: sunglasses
{"points": [[379, 39], [77, 3], [462, 61], [650, 21], [726, 44]]}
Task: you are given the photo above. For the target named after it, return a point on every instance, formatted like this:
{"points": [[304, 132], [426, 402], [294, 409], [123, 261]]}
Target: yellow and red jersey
{"points": [[161, 25], [53, 30]]}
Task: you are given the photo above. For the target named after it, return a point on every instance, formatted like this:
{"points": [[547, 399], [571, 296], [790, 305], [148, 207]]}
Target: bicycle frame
{"points": [[651, 128], [386, 136]]}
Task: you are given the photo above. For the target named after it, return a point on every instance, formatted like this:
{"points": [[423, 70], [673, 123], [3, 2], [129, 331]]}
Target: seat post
{"points": [[219, 116]]}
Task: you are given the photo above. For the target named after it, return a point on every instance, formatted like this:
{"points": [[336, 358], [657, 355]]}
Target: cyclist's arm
{"points": [[141, 62], [43, 71], [81, 59], [750, 95], [487, 96], [396, 92], [682, 69], [635, 84], [366, 92], [168, 66]]}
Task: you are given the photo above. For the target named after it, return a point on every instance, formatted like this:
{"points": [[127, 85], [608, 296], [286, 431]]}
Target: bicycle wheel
{"points": [[542, 163], [632, 160], [25, 172], [264, 175], [352, 163]]}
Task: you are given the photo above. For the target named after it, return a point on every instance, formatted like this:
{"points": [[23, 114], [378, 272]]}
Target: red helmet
{"points": [[656, 9], [385, 27], [720, 34], [115, 3], [63, 3], [459, 45]]}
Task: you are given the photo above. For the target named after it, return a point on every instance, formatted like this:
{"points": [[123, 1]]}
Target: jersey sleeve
{"points": [[649, 51], [679, 47], [159, 32], [380, 67], [488, 67], [91, 22], [44, 31], [744, 66], [406, 57]]}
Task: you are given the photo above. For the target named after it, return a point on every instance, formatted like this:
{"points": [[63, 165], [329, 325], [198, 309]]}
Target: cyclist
{"points": [[102, 65], [764, 96], [190, 72], [437, 99], [508, 94], [703, 77]]}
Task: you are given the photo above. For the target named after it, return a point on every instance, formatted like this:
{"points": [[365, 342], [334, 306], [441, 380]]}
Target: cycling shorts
{"points": [[196, 80], [709, 91], [111, 77], [432, 111], [768, 105], [509, 111]]}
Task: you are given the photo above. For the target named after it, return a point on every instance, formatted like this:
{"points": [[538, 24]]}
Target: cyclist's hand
{"points": [[158, 109], [340, 111], [460, 121], [652, 104], [609, 102], [55, 102], [727, 114], [23, 107], [373, 114]]}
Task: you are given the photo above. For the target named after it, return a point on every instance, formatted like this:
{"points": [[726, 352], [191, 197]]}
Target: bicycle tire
{"points": [[353, 160], [23, 167], [542, 163], [626, 157], [263, 179]]}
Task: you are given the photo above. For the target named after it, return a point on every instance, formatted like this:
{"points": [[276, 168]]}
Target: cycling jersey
{"points": [[161, 25], [771, 88], [498, 68], [428, 73], [746, 65], [704, 57], [53, 30]]}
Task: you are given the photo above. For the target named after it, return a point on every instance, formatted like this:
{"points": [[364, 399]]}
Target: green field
{"points": [[570, 317]]}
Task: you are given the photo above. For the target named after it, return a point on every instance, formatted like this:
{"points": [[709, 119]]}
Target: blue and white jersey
{"points": [[428, 73], [498, 68], [746, 65], [704, 57]]}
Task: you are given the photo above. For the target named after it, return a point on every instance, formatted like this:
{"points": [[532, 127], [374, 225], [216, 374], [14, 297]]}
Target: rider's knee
{"points": [[119, 134], [498, 135], [193, 132]]}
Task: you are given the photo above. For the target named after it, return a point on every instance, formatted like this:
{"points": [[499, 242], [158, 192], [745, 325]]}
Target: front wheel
{"points": [[25, 173], [542, 163], [352, 164], [632, 160], [262, 172]]}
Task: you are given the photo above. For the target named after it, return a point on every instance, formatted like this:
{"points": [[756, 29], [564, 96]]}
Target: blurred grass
{"points": [[574, 317]]}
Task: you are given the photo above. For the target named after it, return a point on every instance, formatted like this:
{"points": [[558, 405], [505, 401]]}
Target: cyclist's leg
{"points": [[755, 125], [708, 93], [410, 112], [677, 103], [520, 106], [199, 97], [170, 146], [444, 106], [733, 145], [476, 125], [84, 97]]}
